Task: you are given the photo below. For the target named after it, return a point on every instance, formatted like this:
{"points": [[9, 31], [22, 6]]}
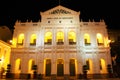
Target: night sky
{"points": [[12, 10]]}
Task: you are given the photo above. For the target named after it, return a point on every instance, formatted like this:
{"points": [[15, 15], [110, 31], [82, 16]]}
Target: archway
{"points": [[72, 67], [48, 67], [30, 65], [17, 66], [60, 67], [102, 66]]}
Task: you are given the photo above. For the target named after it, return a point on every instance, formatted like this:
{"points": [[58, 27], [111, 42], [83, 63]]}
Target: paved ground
{"points": [[70, 79]]}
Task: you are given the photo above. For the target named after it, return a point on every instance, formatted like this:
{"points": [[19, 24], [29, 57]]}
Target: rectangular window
{"points": [[98, 42], [86, 42], [34, 42], [21, 43], [49, 42], [60, 41], [71, 42]]}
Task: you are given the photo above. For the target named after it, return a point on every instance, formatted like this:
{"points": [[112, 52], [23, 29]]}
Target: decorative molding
{"points": [[60, 11]]}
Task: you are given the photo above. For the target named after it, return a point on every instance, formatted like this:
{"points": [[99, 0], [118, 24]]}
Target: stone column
{"points": [[54, 67], [66, 36], [96, 64], [79, 67], [41, 67], [24, 69], [13, 64], [24, 66], [26, 40], [66, 67]]}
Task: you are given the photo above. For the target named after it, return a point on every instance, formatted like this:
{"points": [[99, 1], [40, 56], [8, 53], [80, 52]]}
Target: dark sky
{"points": [[11, 10]]}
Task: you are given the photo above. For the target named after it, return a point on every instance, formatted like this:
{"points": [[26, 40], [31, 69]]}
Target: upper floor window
{"points": [[99, 39], [87, 39], [48, 38], [72, 38], [60, 38], [21, 39], [33, 39]]}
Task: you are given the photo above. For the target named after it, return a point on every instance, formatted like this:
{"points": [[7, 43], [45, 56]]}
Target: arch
{"points": [[33, 39], [87, 39], [89, 66], [72, 68], [103, 66], [72, 37], [18, 65], [60, 67], [48, 38], [48, 67], [30, 65], [21, 39], [60, 37], [99, 39]]}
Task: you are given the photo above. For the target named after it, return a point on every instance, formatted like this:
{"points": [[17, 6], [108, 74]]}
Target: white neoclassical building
{"points": [[60, 44]]}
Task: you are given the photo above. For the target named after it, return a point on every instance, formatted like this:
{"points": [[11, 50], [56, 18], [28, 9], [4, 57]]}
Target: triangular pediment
{"points": [[60, 10]]}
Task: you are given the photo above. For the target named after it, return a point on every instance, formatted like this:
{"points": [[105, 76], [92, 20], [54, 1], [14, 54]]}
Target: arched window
{"points": [[87, 39], [72, 67], [20, 39], [99, 39], [30, 65], [48, 38], [17, 66], [60, 38], [89, 65], [60, 67], [48, 67], [72, 37], [103, 66], [33, 39]]}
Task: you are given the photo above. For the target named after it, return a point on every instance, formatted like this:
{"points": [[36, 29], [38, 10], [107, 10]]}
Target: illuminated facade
{"points": [[5, 50], [60, 44]]}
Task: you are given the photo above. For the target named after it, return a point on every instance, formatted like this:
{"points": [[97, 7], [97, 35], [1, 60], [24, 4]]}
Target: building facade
{"points": [[5, 50], [60, 44]]}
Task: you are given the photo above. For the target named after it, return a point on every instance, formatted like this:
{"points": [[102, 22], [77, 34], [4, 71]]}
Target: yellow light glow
{"points": [[72, 35], [60, 61], [17, 66], [48, 36], [109, 41], [1, 60], [33, 38], [44, 66], [87, 38], [60, 36], [103, 65], [21, 38], [14, 41], [99, 38], [30, 63], [10, 41], [90, 71]]}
